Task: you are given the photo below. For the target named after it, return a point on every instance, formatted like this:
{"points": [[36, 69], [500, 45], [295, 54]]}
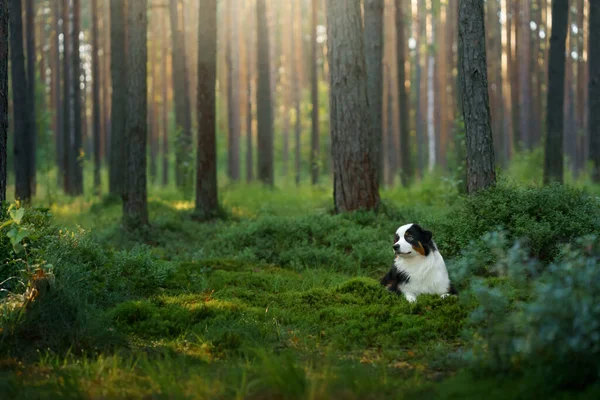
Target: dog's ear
{"points": [[427, 235]]}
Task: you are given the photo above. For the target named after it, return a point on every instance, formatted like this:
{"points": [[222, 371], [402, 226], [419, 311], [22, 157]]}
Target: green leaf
{"points": [[17, 215]]}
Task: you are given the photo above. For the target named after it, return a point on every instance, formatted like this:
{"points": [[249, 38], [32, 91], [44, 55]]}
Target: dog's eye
{"points": [[408, 237]]}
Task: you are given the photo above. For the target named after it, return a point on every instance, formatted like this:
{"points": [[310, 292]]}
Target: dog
{"points": [[418, 267]]}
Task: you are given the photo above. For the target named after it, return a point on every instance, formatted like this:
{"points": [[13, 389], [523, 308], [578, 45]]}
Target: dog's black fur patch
{"points": [[416, 235], [452, 290], [393, 279]]}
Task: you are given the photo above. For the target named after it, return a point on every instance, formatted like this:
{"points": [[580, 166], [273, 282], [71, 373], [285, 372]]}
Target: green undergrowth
{"points": [[280, 298]]}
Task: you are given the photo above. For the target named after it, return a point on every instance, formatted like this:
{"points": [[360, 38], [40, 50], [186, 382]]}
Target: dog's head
{"points": [[412, 241]]}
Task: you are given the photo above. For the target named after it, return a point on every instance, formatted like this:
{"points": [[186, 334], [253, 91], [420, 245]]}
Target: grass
{"points": [[280, 300]]}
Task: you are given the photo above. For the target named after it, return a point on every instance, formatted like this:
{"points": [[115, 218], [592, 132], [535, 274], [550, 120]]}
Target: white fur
{"points": [[428, 274]]}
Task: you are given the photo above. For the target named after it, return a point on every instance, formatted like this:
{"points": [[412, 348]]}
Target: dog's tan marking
{"points": [[419, 249]]}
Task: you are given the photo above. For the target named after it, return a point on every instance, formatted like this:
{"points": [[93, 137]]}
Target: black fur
{"points": [[452, 290], [415, 235], [393, 279]]}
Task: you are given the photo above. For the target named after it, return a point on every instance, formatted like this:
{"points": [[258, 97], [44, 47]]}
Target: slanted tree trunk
{"points": [[118, 72], [77, 143], [406, 173], [553, 161], [21, 119], [3, 95], [264, 110], [135, 202], [481, 172], [96, 97], [31, 65], [314, 88], [354, 165], [207, 204], [594, 89], [373, 33]]}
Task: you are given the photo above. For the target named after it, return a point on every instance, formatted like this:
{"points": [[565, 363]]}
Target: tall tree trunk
{"points": [[314, 84], [4, 12], [580, 87], [250, 45], [135, 202], [594, 89], [165, 104], [58, 106], [421, 42], [481, 172], [96, 97], [118, 72], [77, 147], [390, 133], [296, 47], [553, 161], [233, 97], [21, 118], [406, 174], [207, 204], [373, 33], [31, 66], [431, 92], [182, 99], [66, 105], [264, 111], [355, 167], [525, 74]]}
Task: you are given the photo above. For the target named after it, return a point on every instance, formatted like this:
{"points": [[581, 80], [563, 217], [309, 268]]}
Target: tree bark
{"points": [[264, 111], [296, 47], [4, 17], [314, 84], [355, 167], [66, 106], [250, 45], [594, 89], [553, 161], [96, 97], [233, 97], [481, 172], [118, 71], [31, 66], [21, 119], [373, 33], [406, 173], [56, 83], [165, 104], [77, 145], [431, 140], [525, 74], [207, 204], [135, 202]]}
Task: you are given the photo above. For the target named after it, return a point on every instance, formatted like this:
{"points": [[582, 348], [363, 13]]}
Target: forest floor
{"points": [[280, 300]]}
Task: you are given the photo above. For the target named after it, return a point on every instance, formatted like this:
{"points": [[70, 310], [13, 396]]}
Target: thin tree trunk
{"points": [[77, 147], [20, 104], [431, 92], [207, 204], [233, 98], [515, 81], [135, 202], [4, 17], [421, 40], [296, 47], [58, 106], [525, 74], [594, 89], [250, 45], [553, 161], [481, 172], [580, 162], [165, 104], [406, 174], [355, 167], [314, 81], [263, 98], [31, 66], [96, 97], [66, 106], [373, 34], [118, 69]]}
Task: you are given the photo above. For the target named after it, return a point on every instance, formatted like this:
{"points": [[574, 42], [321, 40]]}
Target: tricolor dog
{"points": [[418, 265]]}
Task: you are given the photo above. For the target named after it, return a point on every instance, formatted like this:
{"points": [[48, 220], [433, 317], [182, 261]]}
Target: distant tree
{"points": [[481, 172], [525, 72], [135, 201], [264, 109], [373, 33], [296, 73], [553, 161], [96, 96], [233, 95], [165, 104], [355, 184], [594, 89], [207, 204], [21, 119], [250, 46], [406, 174], [3, 95], [67, 97], [314, 89], [118, 72], [56, 79], [181, 94], [77, 142], [31, 66], [431, 139]]}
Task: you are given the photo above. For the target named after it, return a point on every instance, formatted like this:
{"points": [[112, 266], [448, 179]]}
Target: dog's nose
{"points": [[396, 247]]}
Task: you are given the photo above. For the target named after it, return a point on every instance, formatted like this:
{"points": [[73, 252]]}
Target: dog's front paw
{"points": [[410, 297], [445, 295]]}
